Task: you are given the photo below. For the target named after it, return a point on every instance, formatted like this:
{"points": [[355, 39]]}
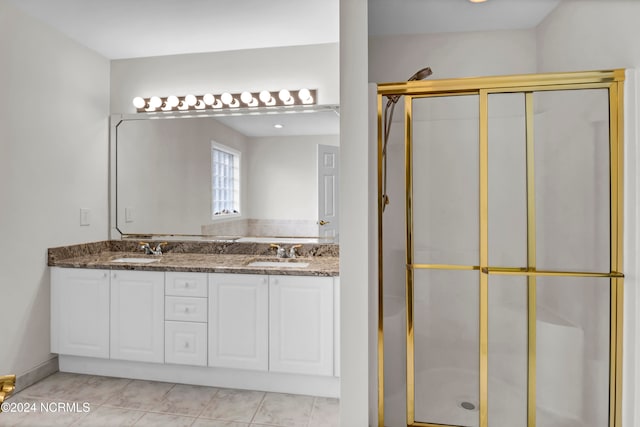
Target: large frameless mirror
{"points": [[275, 175]]}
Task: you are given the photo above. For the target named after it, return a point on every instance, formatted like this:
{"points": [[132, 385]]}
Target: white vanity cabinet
{"points": [[185, 315], [301, 325], [80, 312], [137, 315], [239, 321], [275, 333]]}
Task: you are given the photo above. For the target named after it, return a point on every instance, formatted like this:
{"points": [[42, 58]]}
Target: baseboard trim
{"points": [[206, 376], [36, 374]]}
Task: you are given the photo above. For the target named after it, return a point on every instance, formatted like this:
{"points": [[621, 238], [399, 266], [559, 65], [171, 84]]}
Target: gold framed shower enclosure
{"points": [[483, 87]]}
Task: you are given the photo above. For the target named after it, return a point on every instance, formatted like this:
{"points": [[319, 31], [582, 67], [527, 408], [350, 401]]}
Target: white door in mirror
{"points": [[328, 192]]}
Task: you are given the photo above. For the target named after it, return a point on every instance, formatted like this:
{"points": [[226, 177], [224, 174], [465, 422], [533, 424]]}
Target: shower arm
{"points": [[388, 116]]}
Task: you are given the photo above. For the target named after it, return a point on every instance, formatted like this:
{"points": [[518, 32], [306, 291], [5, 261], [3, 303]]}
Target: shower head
{"points": [[388, 117], [421, 74]]}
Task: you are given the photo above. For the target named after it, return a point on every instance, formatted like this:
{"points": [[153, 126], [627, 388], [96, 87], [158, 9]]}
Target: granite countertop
{"points": [[102, 258]]}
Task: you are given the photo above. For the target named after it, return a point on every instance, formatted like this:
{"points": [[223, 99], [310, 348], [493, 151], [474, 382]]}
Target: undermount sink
{"points": [[136, 260], [279, 263]]}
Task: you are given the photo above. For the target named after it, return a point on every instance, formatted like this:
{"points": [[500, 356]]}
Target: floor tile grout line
{"points": [[106, 399], [205, 406], [313, 408], [264, 396]]}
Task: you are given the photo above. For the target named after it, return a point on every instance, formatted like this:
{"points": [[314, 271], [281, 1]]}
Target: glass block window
{"points": [[225, 181]]}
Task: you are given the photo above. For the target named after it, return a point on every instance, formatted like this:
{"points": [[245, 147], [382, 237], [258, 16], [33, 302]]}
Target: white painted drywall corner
{"points": [[354, 205], [53, 161]]}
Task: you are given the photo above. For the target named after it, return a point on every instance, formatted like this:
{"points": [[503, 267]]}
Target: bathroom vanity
{"points": [[205, 314]]}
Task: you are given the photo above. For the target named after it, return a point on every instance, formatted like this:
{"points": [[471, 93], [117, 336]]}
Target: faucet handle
{"points": [[280, 252], [292, 251], [145, 247]]}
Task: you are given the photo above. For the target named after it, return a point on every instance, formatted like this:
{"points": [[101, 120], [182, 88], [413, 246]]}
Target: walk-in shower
{"points": [[500, 258]]}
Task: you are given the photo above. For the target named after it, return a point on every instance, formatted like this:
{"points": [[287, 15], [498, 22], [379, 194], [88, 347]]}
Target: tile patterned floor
{"points": [[125, 402]]}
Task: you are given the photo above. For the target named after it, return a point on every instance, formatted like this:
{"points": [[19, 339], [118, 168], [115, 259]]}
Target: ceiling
{"points": [[120, 29], [320, 122]]}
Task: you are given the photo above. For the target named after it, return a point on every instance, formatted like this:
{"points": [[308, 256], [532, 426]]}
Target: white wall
{"points": [[355, 216], [452, 55], [589, 35], [592, 35], [313, 66], [53, 161], [282, 171], [164, 173]]}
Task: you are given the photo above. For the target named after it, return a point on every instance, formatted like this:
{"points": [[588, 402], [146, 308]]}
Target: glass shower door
{"points": [[513, 254], [444, 258]]}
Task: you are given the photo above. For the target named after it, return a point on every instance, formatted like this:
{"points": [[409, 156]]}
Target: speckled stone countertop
{"points": [[210, 257]]}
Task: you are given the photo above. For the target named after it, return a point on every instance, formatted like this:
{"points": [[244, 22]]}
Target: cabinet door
{"points": [[336, 326], [238, 321], [137, 316], [301, 324], [80, 312]]}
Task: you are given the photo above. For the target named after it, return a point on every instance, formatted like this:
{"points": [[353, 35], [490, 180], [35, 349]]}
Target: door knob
{"points": [[323, 222]]}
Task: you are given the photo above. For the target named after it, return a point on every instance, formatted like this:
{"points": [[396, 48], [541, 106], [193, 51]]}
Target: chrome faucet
{"points": [[281, 252], [292, 251], [148, 250]]}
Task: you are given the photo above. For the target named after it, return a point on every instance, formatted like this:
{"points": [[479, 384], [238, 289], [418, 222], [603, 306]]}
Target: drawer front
{"points": [[186, 284], [185, 309], [185, 343]]}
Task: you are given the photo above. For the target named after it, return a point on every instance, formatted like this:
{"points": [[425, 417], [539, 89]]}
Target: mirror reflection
{"points": [[245, 175]]}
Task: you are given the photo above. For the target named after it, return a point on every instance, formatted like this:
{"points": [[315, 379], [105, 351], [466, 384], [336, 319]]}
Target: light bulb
{"points": [[155, 102], [305, 96], [139, 102], [200, 105], [172, 101], [265, 96], [278, 126], [190, 100], [226, 98], [284, 95], [208, 99], [246, 97]]}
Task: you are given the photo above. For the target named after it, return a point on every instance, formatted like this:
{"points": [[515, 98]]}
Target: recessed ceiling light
{"points": [[278, 126], [477, 1]]}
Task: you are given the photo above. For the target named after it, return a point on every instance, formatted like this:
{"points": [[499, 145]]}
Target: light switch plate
{"points": [[128, 214], [85, 216]]}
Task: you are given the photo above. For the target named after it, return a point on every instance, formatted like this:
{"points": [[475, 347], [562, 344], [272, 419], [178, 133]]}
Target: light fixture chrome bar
{"points": [[226, 100]]}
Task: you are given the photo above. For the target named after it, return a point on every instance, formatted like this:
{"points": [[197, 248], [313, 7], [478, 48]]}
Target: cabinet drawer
{"points": [[185, 309], [185, 343], [186, 284]]}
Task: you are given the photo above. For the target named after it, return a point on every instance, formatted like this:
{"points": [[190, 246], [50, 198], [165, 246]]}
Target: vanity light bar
{"points": [[226, 100]]}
